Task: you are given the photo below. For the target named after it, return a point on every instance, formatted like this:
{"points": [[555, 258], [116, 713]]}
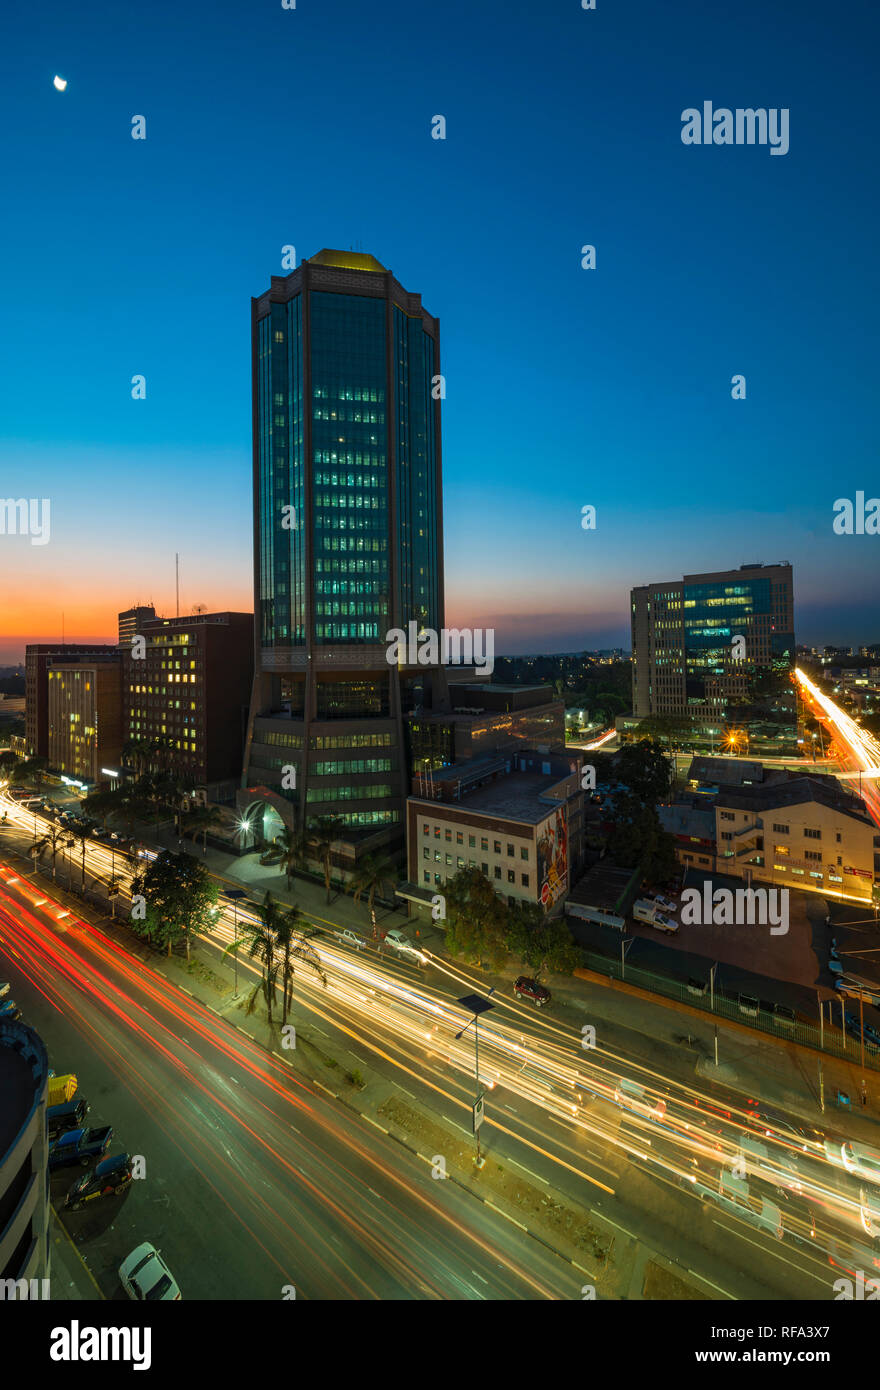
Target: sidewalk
{"points": [[71, 1277]]}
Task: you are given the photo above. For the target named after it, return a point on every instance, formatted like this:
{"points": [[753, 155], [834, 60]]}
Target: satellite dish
{"points": [[199, 608]]}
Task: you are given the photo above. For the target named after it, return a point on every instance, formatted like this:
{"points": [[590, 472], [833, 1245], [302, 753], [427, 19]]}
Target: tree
{"points": [[103, 804], [8, 763], [370, 876], [260, 938], [53, 840], [293, 943], [541, 943], [323, 832], [645, 770], [289, 848], [476, 919], [179, 895], [32, 772], [199, 823], [84, 837]]}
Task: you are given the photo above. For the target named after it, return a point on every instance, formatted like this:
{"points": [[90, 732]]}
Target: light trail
{"points": [[860, 747], [546, 1068]]}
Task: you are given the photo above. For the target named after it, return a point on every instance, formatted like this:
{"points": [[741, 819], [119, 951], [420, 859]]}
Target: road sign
{"points": [[478, 1112]]}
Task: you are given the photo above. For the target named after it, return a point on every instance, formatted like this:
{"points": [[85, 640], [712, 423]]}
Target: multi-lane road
{"points": [[257, 1179]]}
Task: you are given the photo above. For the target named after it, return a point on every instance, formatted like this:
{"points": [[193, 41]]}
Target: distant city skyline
{"points": [[565, 387]]}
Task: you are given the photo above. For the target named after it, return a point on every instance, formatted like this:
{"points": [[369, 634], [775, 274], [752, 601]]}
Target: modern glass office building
{"points": [[347, 538], [703, 645]]}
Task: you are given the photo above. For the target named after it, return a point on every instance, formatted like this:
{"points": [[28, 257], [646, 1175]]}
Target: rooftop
{"points": [[347, 260]]}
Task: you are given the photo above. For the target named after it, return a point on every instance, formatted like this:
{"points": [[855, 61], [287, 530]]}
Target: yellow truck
{"points": [[61, 1088]]}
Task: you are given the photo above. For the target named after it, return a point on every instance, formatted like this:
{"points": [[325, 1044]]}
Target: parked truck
{"points": [[79, 1146], [649, 912], [61, 1088]]}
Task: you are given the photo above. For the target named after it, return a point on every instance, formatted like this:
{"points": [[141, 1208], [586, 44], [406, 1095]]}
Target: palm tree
{"points": [[52, 840], [135, 754], [288, 849], [260, 939], [369, 877], [322, 834], [79, 832], [293, 941]]}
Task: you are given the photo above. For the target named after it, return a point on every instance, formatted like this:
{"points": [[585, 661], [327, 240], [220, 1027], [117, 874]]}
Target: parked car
{"points": [[748, 1005], [145, 1276], [350, 938], [665, 904], [79, 1146], [9, 1011], [70, 1115], [4, 988], [527, 988], [395, 937], [697, 987], [870, 1035], [111, 1177], [798, 1218]]}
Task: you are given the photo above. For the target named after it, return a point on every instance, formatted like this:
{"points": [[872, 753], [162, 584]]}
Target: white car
{"points": [[145, 1276], [860, 1160], [396, 938], [350, 938], [665, 904], [869, 1211]]}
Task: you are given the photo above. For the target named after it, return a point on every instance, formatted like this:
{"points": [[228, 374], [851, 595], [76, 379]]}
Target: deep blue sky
{"points": [[565, 387]]}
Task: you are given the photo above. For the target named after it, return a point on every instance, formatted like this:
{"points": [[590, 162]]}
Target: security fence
{"points": [[759, 1015]]}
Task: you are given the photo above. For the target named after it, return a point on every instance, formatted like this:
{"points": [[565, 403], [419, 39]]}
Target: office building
{"points": [[186, 700], [485, 719], [709, 647], [347, 544], [38, 658], [130, 623], [85, 718]]}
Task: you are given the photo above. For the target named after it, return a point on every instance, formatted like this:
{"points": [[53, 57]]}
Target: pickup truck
{"points": [[71, 1115], [79, 1146]]}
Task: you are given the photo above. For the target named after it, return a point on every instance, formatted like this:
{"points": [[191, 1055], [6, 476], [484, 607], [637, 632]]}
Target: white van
{"points": [[645, 911], [665, 924]]}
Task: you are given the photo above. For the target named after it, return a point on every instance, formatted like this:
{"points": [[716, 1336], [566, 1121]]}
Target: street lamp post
{"points": [[476, 1005], [235, 895]]}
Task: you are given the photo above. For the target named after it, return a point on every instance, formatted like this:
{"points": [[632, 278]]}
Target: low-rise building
{"points": [[518, 817], [801, 832]]}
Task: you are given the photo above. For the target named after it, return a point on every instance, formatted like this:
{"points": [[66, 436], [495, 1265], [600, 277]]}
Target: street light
{"points": [[234, 895], [476, 1005]]}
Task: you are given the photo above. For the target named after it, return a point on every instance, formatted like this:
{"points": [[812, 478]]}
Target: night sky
{"points": [[565, 387]]}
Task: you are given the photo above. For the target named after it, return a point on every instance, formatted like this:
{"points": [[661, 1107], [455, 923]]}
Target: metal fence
{"points": [[830, 1039]]}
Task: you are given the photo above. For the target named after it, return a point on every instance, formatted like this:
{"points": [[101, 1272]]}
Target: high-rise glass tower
{"points": [[347, 539]]}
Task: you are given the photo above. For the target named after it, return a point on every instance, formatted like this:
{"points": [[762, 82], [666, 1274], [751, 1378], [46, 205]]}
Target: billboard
{"points": [[553, 858]]}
